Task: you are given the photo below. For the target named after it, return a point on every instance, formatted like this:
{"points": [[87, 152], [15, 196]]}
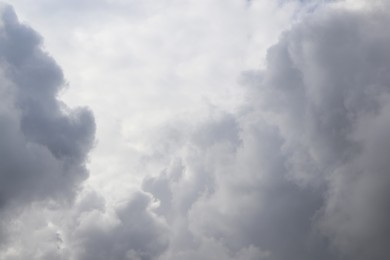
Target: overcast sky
{"points": [[194, 129]]}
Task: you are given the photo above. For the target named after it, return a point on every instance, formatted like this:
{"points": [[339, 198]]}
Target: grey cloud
{"points": [[326, 89], [308, 177], [134, 233], [44, 144], [231, 196], [43, 150]]}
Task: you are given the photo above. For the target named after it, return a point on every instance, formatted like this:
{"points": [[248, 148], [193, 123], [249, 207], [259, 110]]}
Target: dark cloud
{"points": [[43, 144], [238, 197], [326, 81], [302, 172], [134, 232]]}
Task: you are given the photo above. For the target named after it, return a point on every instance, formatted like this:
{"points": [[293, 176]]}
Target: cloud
{"points": [[307, 178], [224, 197], [43, 143], [131, 232], [298, 171], [327, 91]]}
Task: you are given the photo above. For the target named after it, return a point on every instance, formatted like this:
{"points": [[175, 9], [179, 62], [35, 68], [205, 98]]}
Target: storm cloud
{"points": [[326, 89], [303, 172], [43, 143]]}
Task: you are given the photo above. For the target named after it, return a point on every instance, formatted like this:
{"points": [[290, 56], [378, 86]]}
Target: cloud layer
{"points": [[326, 89], [299, 171], [43, 144], [302, 171]]}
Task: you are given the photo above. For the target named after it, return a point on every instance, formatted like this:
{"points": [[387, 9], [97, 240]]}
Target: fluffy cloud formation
{"points": [[300, 171], [130, 232], [43, 144], [327, 91]]}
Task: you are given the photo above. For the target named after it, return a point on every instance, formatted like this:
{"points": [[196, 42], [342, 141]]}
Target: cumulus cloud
{"points": [[131, 231], [308, 177], [230, 197], [43, 144], [326, 90]]}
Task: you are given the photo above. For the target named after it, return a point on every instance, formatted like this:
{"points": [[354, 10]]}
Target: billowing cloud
{"points": [[308, 177], [326, 89], [131, 232], [43, 143]]}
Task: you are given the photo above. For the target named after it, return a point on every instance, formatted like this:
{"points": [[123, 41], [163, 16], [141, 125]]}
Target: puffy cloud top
{"points": [[43, 143]]}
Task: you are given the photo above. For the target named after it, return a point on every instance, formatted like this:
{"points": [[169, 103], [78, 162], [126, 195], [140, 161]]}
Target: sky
{"points": [[194, 129]]}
